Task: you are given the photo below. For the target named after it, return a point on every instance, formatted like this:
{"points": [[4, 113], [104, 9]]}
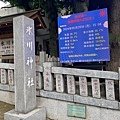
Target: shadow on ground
{"points": [[4, 107]]}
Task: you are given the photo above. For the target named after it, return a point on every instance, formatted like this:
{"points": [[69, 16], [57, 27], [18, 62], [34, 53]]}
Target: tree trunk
{"points": [[79, 7], [53, 28], [114, 15], [114, 20]]}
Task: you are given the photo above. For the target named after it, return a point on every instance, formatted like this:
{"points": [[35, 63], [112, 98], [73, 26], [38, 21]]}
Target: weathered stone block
{"points": [[59, 83], [71, 84], [4, 76], [37, 114], [11, 77], [25, 68], [55, 95]]}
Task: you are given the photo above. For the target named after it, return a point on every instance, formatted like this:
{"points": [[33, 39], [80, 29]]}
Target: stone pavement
{"points": [[4, 107]]}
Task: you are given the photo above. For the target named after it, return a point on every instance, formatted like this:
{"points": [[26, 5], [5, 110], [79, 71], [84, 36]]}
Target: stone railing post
{"points": [[25, 72], [42, 57], [47, 76]]}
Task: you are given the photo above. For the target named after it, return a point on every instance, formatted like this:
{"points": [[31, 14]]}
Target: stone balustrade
{"points": [[90, 87]]}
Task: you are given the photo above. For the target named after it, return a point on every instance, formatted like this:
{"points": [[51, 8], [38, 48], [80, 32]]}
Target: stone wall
{"points": [[57, 110]]}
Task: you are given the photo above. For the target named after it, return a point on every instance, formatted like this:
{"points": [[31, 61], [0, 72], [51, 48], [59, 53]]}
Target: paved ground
{"points": [[4, 107]]}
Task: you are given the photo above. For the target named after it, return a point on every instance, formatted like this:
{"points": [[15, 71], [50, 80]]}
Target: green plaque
{"points": [[76, 111]]}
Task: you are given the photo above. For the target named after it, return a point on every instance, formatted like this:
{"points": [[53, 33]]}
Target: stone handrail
{"points": [[91, 87]]}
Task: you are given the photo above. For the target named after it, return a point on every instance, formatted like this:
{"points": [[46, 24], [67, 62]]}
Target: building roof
{"points": [[6, 23], [31, 14]]}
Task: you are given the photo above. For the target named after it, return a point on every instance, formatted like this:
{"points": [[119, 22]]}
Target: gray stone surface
{"points": [[25, 76], [86, 73], [39, 81], [110, 91], [119, 105], [42, 57], [59, 83], [95, 87], [71, 84], [10, 77], [83, 86], [109, 104], [92, 113], [37, 114], [96, 102], [55, 113], [55, 95], [11, 88], [47, 75], [7, 65], [39, 68], [7, 87], [4, 87], [86, 100], [4, 76], [38, 93]]}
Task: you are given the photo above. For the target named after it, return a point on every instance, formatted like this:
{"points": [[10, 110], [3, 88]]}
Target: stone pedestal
{"points": [[37, 114]]}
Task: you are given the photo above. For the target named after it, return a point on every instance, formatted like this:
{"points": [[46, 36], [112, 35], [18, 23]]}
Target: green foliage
{"points": [[34, 4]]}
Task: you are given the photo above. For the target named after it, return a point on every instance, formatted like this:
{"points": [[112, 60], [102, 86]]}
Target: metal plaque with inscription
{"points": [[76, 111]]}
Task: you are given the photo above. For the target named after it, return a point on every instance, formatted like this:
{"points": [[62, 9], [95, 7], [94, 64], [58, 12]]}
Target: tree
{"points": [[114, 20], [53, 7], [114, 23]]}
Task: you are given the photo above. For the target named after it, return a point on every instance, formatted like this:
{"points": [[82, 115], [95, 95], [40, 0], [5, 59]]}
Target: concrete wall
{"points": [[57, 110]]}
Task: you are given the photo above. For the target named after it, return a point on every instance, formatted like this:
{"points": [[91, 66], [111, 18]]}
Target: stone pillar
{"points": [[3, 76], [47, 75], [95, 87], [25, 76], [25, 72], [42, 57], [11, 77], [71, 84], [83, 86], [60, 83], [39, 80], [110, 90]]}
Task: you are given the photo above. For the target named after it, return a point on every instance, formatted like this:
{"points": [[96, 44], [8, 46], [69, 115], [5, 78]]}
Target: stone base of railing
{"points": [[37, 114], [6, 87], [103, 103], [80, 99]]}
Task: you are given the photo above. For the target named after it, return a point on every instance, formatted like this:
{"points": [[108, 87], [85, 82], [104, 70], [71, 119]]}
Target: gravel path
{"points": [[4, 107]]}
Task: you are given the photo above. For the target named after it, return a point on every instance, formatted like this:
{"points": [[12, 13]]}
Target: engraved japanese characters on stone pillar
{"points": [[3, 76], [59, 83], [25, 71], [39, 80], [11, 77], [110, 91], [71, 84], [83, 86], [47, 75], [95, 87]]}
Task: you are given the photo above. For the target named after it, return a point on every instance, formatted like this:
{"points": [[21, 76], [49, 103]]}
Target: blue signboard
{"points": [[83, 37]]}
